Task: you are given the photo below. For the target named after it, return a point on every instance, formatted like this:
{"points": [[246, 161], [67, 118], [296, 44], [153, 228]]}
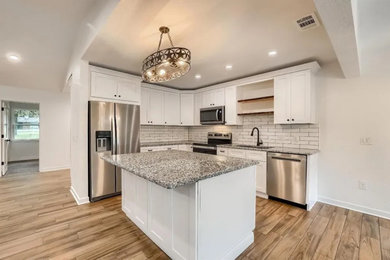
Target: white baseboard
{"points": [[76, 197], [52, 169], [355, 207], [240, 247], [261, 195]]}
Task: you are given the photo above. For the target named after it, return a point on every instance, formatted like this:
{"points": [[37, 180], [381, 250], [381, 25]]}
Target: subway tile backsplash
{"points": [[163, 133], [295, 136]]}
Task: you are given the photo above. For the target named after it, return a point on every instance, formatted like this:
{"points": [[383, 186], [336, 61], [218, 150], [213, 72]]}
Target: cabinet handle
{"points": [[114, 95], [151, 122], [165, 122], [292, 119], [181, 122], [288, 119], [150, 150], [119, 96]]}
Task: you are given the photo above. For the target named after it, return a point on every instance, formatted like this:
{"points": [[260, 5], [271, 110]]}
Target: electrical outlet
{"points": [[362, 185], [365, 141]]}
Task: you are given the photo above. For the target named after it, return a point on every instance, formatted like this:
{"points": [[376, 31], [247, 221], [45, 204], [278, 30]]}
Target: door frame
{"points": [[1, 125]]}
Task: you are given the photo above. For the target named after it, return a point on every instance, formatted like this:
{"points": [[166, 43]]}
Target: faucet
{"points": [[259, 141]]}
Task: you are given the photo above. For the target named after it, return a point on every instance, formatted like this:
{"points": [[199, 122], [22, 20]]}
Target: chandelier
{"points": [[166, 64]]}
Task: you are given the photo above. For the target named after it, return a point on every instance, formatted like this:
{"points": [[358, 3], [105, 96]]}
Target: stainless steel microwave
{"points": [[212, 115]]}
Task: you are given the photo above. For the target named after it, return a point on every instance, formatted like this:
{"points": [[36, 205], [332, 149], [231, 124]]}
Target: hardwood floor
{"points": [[39, 219]]}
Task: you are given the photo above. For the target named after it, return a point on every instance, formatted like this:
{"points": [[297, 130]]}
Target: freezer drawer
{"points": [[286, 177]]}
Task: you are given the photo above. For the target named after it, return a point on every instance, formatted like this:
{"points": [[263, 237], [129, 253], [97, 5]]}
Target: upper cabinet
{"points": [[231, 113], [294, 98], [187, 109], [198, 104], [214, 98], [115, 86], [152, 107], [171, 108]]}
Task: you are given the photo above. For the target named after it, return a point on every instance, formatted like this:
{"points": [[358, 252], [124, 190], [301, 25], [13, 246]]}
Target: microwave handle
{"points": [[216, 114]]}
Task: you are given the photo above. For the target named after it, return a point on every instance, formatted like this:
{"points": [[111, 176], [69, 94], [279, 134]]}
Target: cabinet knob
{"points": [[165, 122], [114, 95], [151, 122], [119, 96], [292, 119], [181, 122], [288, 119]]}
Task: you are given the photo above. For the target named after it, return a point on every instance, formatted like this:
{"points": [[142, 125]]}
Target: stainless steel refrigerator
{"points": [[113, 129]]}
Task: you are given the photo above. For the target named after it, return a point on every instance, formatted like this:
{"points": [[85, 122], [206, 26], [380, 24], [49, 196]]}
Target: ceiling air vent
{"points": [[307, 22]]}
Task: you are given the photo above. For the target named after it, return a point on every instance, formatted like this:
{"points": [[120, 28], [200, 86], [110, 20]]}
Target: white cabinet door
{"points": [[208, 98], [300, 97], [187, 109], [144, 106], [156, 107], [198, 104], [160, 218], [103, 86], [214, 98], [282, 100], [236, 153], [171, 108], [129, 90], [231, 117], [219, 97], [261, 177]]}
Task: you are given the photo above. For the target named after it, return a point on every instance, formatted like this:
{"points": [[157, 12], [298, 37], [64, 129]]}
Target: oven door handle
{"points": [[204, 147]]}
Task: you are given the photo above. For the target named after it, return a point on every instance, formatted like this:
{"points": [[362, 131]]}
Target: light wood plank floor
{"points": [[40, 220]]}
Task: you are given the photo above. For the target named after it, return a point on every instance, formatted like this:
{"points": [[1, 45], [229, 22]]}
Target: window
{"points": [[25, 124]]}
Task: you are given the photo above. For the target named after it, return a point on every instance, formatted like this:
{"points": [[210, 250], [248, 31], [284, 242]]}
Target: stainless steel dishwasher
{"points": [[286, 177]]}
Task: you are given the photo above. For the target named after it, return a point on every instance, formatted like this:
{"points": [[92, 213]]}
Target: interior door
{"points": [[5, 138]]}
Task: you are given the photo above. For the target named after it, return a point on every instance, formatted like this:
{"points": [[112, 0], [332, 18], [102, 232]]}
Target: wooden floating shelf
{"points": [[255, 113], [256, 99]]}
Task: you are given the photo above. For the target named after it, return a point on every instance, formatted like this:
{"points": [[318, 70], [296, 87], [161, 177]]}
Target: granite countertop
{"points": [[273, 149], [161, 143], [171, 169]]}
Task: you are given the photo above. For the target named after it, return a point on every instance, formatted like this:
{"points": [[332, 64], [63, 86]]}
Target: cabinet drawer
{"points": [[236, 153], [169, 147], [256, 155], [222, 151]]}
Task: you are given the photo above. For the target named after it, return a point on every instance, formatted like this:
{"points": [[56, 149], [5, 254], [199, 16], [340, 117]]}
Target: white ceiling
{"points": [[42, 32], [217, 32]]}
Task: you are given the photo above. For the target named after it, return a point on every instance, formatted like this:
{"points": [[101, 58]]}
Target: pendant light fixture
{"points": [[166, 64]]}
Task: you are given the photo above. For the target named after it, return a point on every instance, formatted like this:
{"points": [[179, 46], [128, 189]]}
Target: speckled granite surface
{"points": [[171, 169], [273, 149], [161, 143]]}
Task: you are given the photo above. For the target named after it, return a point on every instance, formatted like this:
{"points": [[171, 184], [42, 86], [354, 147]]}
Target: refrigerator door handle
{"points": [[113, 132]]}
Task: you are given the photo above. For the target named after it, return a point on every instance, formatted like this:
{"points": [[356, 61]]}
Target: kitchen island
{"points": [[192, 205]]}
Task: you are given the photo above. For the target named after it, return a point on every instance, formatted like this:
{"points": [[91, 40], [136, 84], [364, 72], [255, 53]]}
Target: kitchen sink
{"points": [[254, 146]]}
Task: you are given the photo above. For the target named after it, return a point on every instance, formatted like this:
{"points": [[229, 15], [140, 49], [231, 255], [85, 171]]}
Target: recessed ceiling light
{"points": [[198, 76], [272, 53], [229, 67], [13, 57]]}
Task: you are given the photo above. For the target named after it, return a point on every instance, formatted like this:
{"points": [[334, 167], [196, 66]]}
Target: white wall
{"points": [[23, 150], [54, 152], [349, 110], [79, 90]]}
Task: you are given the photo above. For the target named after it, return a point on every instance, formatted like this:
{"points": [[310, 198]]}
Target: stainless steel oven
{"points": [[212, 115], [213, 139]]}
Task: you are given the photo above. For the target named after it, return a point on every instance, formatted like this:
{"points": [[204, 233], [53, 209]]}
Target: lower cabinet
{"points": [[180, 147], [261, 167]]}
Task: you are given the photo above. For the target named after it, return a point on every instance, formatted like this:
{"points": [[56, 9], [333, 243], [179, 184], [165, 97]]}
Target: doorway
{"points": [[19, 137]]}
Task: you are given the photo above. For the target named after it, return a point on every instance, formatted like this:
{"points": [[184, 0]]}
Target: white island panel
{"points": [[210, 219]]}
